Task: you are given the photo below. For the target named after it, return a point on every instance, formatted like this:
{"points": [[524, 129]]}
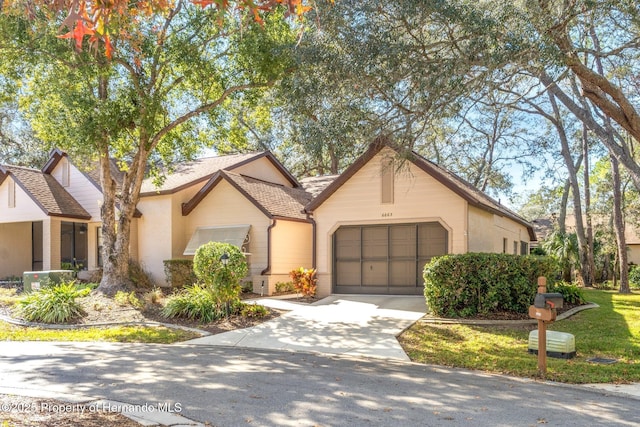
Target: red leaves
{"points": [[80, 19], [78, 33], [93, 17]]}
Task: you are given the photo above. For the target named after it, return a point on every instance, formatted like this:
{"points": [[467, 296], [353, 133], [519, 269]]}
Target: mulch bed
{"points": [[99, 308], [508, 315]]}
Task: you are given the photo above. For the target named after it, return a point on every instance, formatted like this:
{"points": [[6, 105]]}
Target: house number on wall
{"points": [[386, 214]]}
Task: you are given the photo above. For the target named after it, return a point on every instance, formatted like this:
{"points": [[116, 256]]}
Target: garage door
{"points": [[385, 259]]}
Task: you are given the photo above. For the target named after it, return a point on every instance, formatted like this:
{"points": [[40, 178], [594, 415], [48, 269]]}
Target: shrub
{"points": [[123, 298], [209, 269], [53, 304], [480, 283], [224, 280], [139, 276], [154, 296], [201, 303], [179, 272], [285, 287], [571, 293], [253, 310], [634, 276], [304, 281]]}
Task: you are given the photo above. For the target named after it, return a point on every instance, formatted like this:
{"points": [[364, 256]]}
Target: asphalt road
{"points": [[244, 387]]}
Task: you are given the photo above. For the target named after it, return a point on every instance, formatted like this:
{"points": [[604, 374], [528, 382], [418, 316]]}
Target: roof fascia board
{"points": [[188, 207], [422, 164], [54, 158]]}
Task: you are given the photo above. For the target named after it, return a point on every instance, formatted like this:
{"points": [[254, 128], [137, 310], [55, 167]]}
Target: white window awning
{"points": [[237, 235]]}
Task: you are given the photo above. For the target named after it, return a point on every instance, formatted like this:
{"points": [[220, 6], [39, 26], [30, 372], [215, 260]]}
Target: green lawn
{"points": [[145, 334], [611, 331]]}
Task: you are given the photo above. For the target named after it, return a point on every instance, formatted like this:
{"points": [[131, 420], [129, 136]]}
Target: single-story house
{"points": [[250, 200], [48, 218], [387, 215], [370, 229]]}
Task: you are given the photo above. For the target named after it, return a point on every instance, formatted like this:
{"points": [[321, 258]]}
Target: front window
{"points": [[73, 246]]}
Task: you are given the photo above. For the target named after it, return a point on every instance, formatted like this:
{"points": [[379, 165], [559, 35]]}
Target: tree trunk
{"points": [[115, 254], [618, 227], [575, 191], [587, 265]]}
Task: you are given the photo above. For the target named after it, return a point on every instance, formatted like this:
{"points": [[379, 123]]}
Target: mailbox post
{"points": [[544, 310]]}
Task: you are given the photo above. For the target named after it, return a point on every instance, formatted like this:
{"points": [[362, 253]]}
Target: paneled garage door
{"points": [[385, 259]]}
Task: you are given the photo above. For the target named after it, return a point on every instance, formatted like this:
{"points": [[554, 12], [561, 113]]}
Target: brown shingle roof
{"points": [[47, 192], [189, 173], [273, 199], [456, 184]]}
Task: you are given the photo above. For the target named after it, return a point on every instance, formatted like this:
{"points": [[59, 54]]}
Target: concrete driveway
{"points": [[362, 325]]}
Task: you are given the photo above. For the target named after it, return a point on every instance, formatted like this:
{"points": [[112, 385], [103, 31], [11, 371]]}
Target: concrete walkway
{"points": [[356, 325]]}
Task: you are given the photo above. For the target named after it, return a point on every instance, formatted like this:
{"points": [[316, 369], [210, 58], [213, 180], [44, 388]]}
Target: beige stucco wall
{"points": [[51, 228], [291, 248], [633, 253], [264, 170], [154, 235], [15, 249], [224, 205], [418, 197], [487, 232], [160, 231]]}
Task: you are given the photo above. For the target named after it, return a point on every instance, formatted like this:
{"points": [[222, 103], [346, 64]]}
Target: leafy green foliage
{"points": [[195, 302], [634, 276], [572, 293], [304, 281], [53, 304], [253, 310], [480, 283], [179, 272], [202, 303], [209, 268], [284, 287], [123, 298]]}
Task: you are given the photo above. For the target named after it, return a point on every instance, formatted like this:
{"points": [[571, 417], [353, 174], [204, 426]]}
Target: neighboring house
{"points": [[545, 226], [48, 218], [384, 218], [369, 230], [249, 200]]}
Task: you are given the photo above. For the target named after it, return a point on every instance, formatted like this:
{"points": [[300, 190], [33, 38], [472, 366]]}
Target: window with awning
{"points": [[237, 235]]}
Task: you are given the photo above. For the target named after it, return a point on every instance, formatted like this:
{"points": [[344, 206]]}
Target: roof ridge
{"points": [[23, 168], [227, 155]]}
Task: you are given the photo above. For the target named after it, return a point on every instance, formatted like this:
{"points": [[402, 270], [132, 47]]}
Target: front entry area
{"points": [[386, 258]]}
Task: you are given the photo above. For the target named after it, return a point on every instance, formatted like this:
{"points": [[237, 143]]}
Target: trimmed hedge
{"points": [[179, 272], [480, 283]]}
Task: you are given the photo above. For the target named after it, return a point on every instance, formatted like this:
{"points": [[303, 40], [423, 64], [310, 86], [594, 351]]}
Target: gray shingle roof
{"points": [[47, 192], [315, 184], [188, 173]]}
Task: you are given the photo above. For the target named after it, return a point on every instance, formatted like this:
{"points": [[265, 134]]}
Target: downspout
{"points": [[313, 241], [268, 269]]}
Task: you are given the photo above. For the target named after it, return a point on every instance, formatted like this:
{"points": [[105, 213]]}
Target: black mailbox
{"points": [[553, 300]]}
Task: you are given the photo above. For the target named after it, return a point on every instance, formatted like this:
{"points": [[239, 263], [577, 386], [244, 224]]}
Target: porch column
{"points": [[51, 244]]}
